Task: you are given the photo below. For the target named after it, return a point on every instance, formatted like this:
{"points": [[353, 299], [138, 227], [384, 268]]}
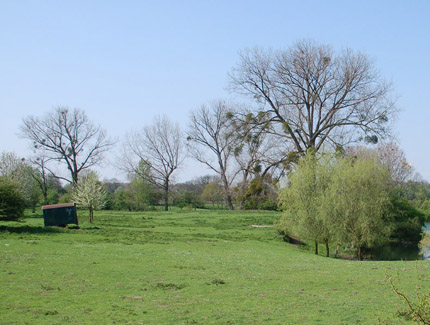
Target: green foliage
{"points": [[417, 308], [425, 207], [65, 198], [338, 199], [303, 200], [417, 193], [284, 226], [139, 195], [407, 221], [213, 193], [259, 194], [53, 196], [18, 171], [12, 202], [358, 199], [120, 199], [424, 243], [269, 205], [186, 198], [89, 194]]}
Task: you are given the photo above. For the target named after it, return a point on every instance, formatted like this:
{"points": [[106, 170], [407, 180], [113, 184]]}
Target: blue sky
{"points": [[125, 61]]}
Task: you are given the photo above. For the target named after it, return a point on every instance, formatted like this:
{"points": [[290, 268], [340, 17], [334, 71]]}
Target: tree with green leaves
{"points": [[425, 243], [89, 194], [358, 198], [259, 193], [17, 170], [303, 198], [212, 193], [12, 202]]}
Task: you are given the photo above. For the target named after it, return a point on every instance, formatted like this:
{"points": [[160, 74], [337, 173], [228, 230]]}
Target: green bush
{"points": [[269, 205], [259, 194], [185, 198], [65, 198], [407, 221], [12, 202], [283, 227]]}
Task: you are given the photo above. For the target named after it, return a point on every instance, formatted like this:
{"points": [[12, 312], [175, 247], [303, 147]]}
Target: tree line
{"points": [[306, 98]]}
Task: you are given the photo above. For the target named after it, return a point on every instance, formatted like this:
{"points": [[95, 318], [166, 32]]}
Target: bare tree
{"points": [[259, 151], [67, 137], [310, 95], [155, 153], [394, 160], [41, 174], [210, 129], [390, 156]]}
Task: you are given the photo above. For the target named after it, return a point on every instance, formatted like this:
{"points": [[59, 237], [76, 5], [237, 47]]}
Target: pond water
{"points": [[399, 251]]}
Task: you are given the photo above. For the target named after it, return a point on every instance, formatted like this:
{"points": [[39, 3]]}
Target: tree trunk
{"points": [[74, 177], [337, 251], [327, 249], [166, 196], [229, 202], [91, 214], [45, 196], [228, 199], [316, 247], [360, 253]]}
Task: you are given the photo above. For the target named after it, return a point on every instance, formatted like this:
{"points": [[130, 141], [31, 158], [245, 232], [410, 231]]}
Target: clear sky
{"points": [[125, 61]]}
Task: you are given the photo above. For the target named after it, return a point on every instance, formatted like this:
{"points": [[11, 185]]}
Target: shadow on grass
{"points": [[30, 230]]}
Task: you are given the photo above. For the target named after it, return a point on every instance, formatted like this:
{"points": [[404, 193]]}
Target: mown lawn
{"points": [[208, 267]]}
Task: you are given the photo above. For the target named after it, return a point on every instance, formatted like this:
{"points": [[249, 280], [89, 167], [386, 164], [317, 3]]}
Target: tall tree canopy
{"points": [[311, 95], [68, 137]]}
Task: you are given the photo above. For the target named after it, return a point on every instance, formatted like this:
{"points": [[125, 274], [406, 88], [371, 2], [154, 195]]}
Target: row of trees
{"points": [[305, 97], [22, 182]]}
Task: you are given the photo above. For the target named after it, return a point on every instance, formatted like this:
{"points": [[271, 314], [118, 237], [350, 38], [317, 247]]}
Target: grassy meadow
{"points": [[185, 267]]}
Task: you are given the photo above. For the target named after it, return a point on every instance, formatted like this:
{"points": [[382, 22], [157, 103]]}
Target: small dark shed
{"points": [[60, 214]]}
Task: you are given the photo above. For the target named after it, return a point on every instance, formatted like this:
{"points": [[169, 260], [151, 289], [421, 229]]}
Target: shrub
{"points": [[269, 205], [407, 221], [12, 202], [418, 305], [283, 227]]}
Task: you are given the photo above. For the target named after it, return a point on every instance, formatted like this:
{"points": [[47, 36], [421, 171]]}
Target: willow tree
{"points": [[358, 198], [310, 95], [302, 200]]}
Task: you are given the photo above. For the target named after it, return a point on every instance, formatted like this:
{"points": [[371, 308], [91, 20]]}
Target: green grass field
{"points": [[203, 267]]}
